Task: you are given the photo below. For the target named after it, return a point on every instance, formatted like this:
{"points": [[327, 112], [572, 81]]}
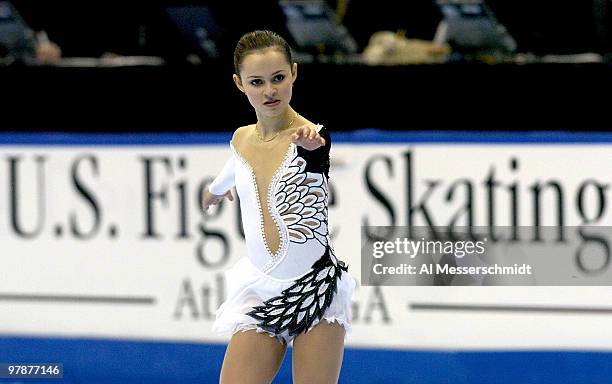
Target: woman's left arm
{"points": [[315, 146]]}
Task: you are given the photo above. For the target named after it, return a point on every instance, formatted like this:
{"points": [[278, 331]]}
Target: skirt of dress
{"points": [[248, 288]]}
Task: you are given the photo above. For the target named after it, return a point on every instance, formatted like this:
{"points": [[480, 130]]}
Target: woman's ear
{"points": [[294, 72], [238, 82]]}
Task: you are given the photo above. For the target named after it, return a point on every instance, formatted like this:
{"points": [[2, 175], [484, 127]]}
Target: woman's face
{"points": [[267, 79]]}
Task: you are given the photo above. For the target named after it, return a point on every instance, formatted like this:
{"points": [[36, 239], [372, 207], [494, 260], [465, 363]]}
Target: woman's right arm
{"points": [[221, 185]]}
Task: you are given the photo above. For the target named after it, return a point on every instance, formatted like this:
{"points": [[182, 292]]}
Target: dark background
{"points": [[343, 97], [142, 27], [184, 97]]}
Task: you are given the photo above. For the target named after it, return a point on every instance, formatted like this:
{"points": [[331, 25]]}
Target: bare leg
{"points": [[251, 358], [317, 355]]}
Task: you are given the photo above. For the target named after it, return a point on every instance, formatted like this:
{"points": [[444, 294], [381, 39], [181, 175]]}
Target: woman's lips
{"points": [[272, 103]]}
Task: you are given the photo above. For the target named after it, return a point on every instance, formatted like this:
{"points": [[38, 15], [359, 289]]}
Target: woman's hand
{"points": [[308, 138], [210, 199]]}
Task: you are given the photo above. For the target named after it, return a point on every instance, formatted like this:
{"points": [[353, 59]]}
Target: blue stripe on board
{"points": [[59, 138], [365, 136], [106, 361], [527, 137]]}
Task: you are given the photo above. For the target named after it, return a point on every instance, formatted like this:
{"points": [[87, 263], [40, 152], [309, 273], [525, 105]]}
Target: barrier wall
{"points": [[458, 96], [107, 259]]}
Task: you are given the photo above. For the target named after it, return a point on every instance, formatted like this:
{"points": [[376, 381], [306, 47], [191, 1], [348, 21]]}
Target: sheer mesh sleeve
{"points": [[318, 160]]}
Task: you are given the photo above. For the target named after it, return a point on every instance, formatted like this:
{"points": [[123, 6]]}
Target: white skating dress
{"points": [[288, 291]]}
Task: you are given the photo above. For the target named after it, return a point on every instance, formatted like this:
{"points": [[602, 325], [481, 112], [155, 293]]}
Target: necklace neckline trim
{"points": [[260, 137]]}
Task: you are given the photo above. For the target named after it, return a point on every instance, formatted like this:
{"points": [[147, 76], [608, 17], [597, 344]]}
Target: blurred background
{"points": [[438, 60], [115, 116]]}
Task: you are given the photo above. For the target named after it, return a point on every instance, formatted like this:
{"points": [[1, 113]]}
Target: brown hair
{"points": [[256, 40]]}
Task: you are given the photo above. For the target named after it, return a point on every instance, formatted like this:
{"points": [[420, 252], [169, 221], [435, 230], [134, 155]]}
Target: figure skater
{"points": [[291, 287]]}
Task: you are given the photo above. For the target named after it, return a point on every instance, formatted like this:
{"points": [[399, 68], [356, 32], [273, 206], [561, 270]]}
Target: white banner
{"points": [[110, 241]]}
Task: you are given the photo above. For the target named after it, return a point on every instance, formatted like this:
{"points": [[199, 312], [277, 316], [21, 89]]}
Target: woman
{"points": [[291, 279]]}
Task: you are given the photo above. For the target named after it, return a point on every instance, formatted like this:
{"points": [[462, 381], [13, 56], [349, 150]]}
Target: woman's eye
{"points": [[279, 78], [256, 82]]}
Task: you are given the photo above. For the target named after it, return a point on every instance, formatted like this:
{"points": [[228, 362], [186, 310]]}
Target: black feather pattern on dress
{"points": [[305, 301]]}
